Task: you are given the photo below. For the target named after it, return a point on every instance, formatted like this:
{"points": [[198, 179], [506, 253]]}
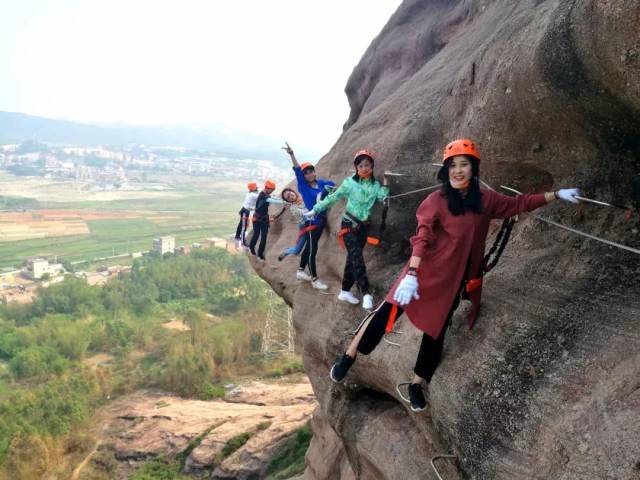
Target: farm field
{"points": [[79, 226]]}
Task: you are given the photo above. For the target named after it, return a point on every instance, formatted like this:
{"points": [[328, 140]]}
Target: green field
{"points": [[194, 215]]}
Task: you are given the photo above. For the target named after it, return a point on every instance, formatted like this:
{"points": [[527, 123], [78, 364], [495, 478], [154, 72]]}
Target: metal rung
{"points": [[390, 342], [433, 465], [400, 393], [385, 338]]}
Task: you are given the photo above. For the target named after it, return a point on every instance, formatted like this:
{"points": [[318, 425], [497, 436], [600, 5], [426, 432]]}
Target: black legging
{"points": [[308, 256], [430, 351], [260, 229], [242, 224], [355, 271]]}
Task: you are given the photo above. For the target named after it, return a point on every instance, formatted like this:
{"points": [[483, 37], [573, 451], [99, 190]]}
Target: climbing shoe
{"points": [[348, 297], [281, 257], [319, 284], [340, 369], [416, 397], [302, 275], [260, 257]]}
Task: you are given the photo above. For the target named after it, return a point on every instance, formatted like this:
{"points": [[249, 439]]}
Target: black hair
{"points": [[284, 207], [288, 190], [456, 202], [357, 161]]}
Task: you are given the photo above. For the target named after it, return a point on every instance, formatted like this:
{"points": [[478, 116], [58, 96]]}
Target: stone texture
{"points": [[146, 424], [547, 384]]}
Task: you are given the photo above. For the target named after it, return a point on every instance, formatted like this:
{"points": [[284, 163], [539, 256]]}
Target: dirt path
{"points": [[76, 472]]}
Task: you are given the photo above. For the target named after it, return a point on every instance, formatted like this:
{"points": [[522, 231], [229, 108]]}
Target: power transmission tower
{"points": [[277, 336]]}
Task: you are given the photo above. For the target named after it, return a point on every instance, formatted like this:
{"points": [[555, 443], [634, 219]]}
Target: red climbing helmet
{"points": [[270, 184], [252, 186], [364, 153], [462, 146], [306, 165]]}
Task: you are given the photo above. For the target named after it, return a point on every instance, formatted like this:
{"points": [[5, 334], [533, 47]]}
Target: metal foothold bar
{"points": [[436, 457], [390, 342], [400, 393]]}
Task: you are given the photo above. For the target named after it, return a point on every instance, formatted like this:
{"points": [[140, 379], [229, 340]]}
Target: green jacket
{"points": [[360, 197]]}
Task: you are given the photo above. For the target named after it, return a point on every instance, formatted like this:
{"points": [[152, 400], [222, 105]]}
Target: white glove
{"points": [[407, 290], [309, 215], [569, 194]]}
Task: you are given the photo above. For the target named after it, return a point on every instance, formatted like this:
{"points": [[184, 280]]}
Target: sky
{"points": [[273, 68]]}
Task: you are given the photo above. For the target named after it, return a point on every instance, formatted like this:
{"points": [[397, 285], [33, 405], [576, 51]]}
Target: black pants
{"points": [[308, 256], [242, 225], [355, 271], [430, 351], [260, 230]]}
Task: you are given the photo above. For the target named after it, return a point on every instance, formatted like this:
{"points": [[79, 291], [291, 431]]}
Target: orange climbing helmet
{"points": [[364, 153], [462, 146], [306, 165], [252, 186], [270, 184]]}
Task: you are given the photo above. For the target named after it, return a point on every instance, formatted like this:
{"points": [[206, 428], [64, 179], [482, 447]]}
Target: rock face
{"points": [[547, 385], [146, 424]]}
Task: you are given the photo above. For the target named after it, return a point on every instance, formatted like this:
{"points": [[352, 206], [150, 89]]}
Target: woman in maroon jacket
{"points": [[450, 242]]}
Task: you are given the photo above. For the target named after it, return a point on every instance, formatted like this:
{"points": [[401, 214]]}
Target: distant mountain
{"points": [[19, 127]]}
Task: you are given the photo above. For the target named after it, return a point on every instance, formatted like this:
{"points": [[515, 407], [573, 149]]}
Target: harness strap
{"points": [[341, 235], [393, 314], [497, 248], [307, 229]]}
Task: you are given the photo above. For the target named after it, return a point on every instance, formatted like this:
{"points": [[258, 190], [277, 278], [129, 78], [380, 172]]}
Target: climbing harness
{"points": [[356, 225], [307, 229], [577, 232], [443, 456], [496, 250]]}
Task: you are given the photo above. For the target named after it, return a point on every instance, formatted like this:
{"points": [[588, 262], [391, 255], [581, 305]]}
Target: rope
{"points": [[433, 187], [433, 465], [578, 232]]}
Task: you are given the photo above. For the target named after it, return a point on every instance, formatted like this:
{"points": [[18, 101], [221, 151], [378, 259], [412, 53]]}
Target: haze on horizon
{"points": [[274, 69]]}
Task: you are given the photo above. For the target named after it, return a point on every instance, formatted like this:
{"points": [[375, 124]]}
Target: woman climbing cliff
{"points": [[362, 191], [311, 189], [261, 220], [290, 200], [446, 262], [248, 205]]}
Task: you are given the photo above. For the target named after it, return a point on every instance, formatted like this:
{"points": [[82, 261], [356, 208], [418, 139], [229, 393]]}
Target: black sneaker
{"points": [[252, 252], [416, 397], [340, 369], [260, 257], [281, 257]]}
